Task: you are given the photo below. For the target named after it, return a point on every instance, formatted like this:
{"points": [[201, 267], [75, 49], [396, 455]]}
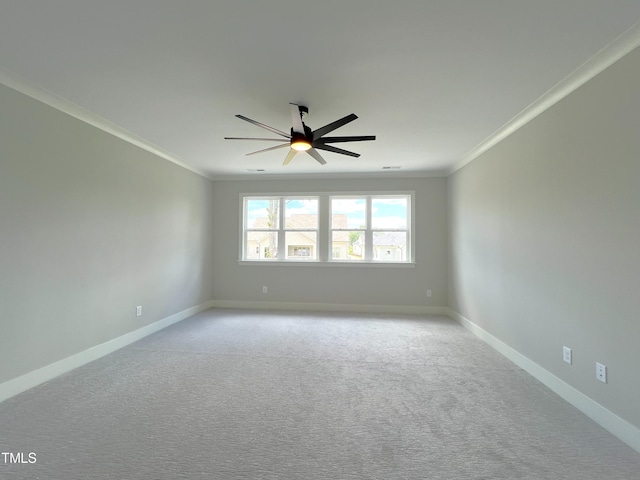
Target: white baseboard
{"points": [[29, 380], [332, 307], [622, 429]]}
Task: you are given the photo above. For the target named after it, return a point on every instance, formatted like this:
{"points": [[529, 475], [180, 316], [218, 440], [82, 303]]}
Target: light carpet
{"points": [[231, 394]]}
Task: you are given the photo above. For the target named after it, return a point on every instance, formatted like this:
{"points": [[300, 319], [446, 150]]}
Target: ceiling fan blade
{"points": [[329, 148], [333, 125], [296, 119], [252, 138], [271, 129], [314, 153], [289, 157], [361, 138], [268, 149]]}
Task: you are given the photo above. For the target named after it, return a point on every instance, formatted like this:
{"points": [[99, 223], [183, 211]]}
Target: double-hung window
{"points": [[372, 228], [280, 228], [328, 227]]}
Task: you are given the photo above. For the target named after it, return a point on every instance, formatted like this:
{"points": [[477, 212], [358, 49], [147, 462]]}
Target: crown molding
{"points": [[30, 89], [621, 46]]}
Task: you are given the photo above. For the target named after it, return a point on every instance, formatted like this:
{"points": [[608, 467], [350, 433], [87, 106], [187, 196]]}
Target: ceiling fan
{"points": [[303, 139]]}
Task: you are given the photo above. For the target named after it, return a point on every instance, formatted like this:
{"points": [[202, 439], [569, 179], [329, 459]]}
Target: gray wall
{"points": [[91, 226], [544, 234], [391, 286]]}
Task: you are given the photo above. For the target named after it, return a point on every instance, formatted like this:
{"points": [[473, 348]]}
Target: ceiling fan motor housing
{"points": [[297, 136]]}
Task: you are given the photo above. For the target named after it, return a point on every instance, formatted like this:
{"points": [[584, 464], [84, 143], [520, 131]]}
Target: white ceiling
{"points": [[432, 79]]}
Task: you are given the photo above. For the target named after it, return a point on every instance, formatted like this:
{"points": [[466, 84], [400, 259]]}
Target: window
{"points": [[363, 228], [371, 228], [261, 228], [348, 224], [274, 235], [301, 227]]}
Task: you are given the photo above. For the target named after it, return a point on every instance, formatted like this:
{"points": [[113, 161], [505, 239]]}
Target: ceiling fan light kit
{"points": [[300, 142], [303, 139]]}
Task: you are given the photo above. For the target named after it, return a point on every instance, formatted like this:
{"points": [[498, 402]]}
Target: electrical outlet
{"points": [[429, 293], [139, 311], [264, 289], [601, 372], [566, 355]]}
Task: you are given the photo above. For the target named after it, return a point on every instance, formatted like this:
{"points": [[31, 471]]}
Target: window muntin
{"points": [[331, 228]]}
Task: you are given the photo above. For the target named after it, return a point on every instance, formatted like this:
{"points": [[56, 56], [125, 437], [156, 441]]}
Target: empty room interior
{"points": [[332, 240]]}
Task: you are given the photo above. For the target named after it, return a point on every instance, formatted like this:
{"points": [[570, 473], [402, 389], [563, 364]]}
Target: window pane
{"points": [[301, 245], [261, 245], [347, 245], [348, 213], [301, 213], [389, 213], [390, 246], [262, 213]]}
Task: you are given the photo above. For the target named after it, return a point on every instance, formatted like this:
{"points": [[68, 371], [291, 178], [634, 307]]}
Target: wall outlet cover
{"points": [[566, 355]]}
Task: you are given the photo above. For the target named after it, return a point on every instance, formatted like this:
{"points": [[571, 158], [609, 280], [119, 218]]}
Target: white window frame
{"points": [[246, 231], [281, 229], [324, 250], [369, 231]]}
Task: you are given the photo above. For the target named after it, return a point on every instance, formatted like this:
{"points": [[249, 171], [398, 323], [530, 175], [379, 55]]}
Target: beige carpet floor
{"points": [[231, 394]]}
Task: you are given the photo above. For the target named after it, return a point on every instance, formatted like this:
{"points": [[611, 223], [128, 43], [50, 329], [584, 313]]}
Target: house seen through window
{"points": [[327, 227]]}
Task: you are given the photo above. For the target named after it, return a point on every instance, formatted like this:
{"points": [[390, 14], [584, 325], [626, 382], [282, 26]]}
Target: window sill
{"points": [[317, 263]]}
